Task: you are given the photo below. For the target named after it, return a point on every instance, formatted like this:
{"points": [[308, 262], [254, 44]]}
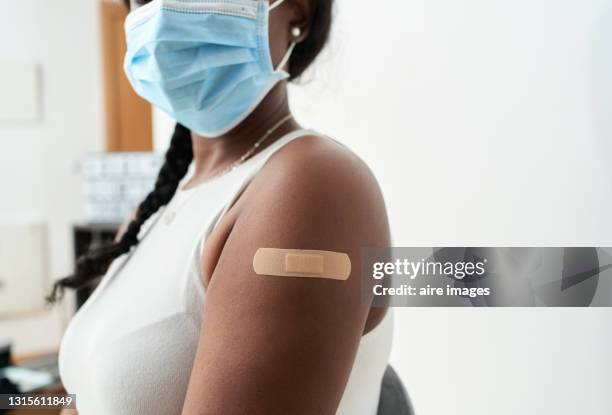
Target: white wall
{"points": [[487, 122], [38, 161]]}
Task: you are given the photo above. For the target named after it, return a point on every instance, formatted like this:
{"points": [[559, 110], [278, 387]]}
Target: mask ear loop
{"points": [[276, 4], [287, 56]]}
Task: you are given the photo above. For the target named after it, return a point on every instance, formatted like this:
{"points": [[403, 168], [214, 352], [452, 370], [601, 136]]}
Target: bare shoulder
{"points": [[311, 158], [317, 179], [313, 194]]}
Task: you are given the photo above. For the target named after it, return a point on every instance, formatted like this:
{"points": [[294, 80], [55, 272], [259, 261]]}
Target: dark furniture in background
{"points": [[86, 237], [46, 363], [394, 399]]}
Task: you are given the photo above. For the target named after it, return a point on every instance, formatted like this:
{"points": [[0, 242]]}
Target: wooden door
{"points": [[128, 117]]}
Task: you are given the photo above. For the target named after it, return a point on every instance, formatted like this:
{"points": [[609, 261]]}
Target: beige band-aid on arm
{"points": [[302, 263]]}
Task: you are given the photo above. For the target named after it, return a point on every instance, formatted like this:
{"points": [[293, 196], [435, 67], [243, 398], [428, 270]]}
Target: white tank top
{"points": [[129, 350]]}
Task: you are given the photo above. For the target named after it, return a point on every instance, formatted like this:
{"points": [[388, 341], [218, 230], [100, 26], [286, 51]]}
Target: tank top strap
{"points": [[259, 160], [255, 164], [248, 171]]}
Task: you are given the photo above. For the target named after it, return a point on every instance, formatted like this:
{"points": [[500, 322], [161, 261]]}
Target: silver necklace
{"points": [[253, 149], [171, 213]]}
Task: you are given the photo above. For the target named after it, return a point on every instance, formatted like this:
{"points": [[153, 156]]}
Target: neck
{"points": [[212, 155]]}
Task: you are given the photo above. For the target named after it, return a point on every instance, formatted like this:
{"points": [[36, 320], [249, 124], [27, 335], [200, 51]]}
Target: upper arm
{"points": [[286, 345]]}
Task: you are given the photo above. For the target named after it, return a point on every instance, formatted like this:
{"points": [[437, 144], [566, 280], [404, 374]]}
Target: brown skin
{"points": [[274, 345], [289, 344]]}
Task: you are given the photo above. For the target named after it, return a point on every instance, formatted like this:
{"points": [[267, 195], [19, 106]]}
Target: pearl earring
{"points": [[296, 32]]}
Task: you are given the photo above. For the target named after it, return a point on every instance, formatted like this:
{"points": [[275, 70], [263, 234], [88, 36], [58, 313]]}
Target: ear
{"points": [[302, 15]]}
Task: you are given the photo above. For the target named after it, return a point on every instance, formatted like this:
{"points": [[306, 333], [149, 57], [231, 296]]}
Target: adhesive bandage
{"points": [[302, 263]]}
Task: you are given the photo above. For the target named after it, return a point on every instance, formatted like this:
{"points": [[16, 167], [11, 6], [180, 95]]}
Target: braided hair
{"points": [[94, 264]]}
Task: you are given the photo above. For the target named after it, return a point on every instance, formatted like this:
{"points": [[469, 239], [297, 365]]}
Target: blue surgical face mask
{"points": [[205, 62]]}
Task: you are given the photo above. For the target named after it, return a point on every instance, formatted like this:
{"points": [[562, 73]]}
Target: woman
{"points": [[181, 323]]}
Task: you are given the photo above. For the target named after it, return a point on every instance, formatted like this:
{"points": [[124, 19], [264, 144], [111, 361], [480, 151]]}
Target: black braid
{"points": [[91, 266]]}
